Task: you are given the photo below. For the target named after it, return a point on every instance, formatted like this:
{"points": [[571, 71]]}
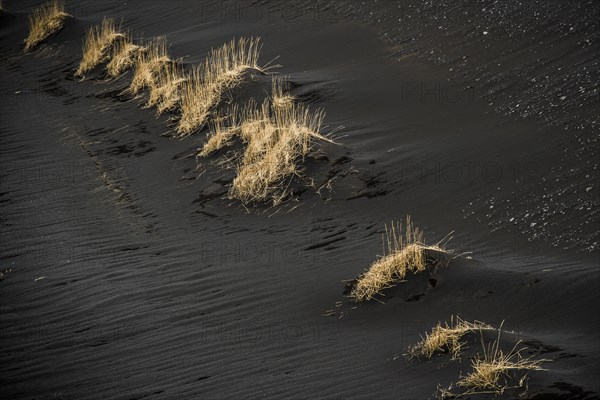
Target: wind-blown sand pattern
{"points": [[168, 237]]}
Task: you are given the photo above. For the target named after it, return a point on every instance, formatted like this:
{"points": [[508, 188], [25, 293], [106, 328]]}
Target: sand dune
{"points": [[129, 270]]}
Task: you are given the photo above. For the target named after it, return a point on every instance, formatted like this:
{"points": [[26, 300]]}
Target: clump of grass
{"points": [[44, 21], [275, 146], [148, 64], [276, 140], [260, 131], [495, 371], [97, 44], [280, 93], [254, 125], [165, 88], [223, 128], [124, 54], [403, 255], [222, 70], [446, 338], [197, 100]]}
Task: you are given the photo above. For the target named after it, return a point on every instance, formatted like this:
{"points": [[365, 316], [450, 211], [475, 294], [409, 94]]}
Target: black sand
{"points": [[128, 274]]}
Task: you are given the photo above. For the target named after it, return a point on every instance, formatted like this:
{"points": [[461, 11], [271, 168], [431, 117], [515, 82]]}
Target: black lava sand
{"points": [[128, 274]]}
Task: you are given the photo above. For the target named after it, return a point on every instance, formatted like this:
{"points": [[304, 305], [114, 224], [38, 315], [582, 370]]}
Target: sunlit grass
{"points": [[148, 64], [97, 45], [44, 21], [446, 338], [495, 371], [165, 88], [223, 69], [123, 57], [402, 254]]}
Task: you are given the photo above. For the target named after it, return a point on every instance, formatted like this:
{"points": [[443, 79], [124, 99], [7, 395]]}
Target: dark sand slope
{"points": [[127, 276]]}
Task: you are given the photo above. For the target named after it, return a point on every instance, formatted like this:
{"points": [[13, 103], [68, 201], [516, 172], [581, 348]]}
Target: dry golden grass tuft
{"points": [[165, 88], [280, 93], [124, 54], [97, 44], [404, 254], [254, 125], [446, 338], [276, 139], [197, 101], [276, 143], [259, 131], [223, 128], [222, 70], [495, 371], [44, 21], [148, 64]]}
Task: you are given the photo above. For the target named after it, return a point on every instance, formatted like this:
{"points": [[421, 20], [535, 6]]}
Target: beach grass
{"points": [[148, 64], [495, 371], [402, 254], [123, 56], [281, 97], [276, 141], [165, 88], [446, 338], [45, 21], [276, 145], [97, 45], [254, 124], [223, 69]]}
